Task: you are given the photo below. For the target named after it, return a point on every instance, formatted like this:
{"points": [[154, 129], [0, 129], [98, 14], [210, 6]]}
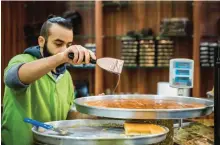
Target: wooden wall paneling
{"points": [[128, 19], [166, 9], [109, 44], [3, 23], [12, 40], [183, 45], [13, 29], [196, 50], [142, 13], [99, 46], [84, 74], [158, 16], [136, 16], [152, 76], [151, 14], [132, 77], [91, 81], [129, 77], [87, 13], [162, 74], [208, 27], [118, 32], [148, 78], [208, 17], [182, 9], [207, 81], [127, 22], [7, 27], [91, 24], [16, 14], [87, 35], [108, 23], [38, 11], [110, 78], [2, 46], [121, 28], [130, 23]]}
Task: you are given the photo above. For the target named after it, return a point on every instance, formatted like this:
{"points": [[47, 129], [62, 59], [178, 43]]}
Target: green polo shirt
{"points": [[46, 99]]}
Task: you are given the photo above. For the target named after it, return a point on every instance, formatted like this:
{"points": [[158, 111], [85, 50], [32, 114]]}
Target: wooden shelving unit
{"points": [[140, 15], [136, 16], [105, 24]]}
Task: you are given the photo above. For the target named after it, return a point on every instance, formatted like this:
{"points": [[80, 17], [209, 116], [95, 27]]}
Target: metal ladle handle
{"points": [[71, 56]]}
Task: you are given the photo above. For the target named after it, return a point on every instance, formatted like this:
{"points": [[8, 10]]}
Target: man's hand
{"points": [[81, 55]]}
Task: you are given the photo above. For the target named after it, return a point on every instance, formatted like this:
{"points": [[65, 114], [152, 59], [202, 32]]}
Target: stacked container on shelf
{"points": [[207, 53], [204, 54], [147, 52], [212, 47], [129, 51], [165, 51]]}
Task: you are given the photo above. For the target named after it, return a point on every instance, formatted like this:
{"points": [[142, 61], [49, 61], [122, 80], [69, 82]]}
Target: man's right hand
{"points": [[81, 55]]}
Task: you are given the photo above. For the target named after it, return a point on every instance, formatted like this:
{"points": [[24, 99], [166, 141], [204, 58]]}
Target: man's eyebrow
{"points": [[70, 43], [59, 40]]}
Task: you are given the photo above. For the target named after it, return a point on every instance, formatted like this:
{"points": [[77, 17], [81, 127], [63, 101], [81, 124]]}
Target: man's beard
{"points": [[59, 69], [46, 52]]}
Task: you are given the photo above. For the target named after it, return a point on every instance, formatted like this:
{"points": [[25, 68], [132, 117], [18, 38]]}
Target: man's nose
{"points": [[63, 48]]}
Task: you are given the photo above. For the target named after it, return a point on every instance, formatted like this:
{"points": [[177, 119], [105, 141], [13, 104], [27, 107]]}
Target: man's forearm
{"points": [[29, 72]]}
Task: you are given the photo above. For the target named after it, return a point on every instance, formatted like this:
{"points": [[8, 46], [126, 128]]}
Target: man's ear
{"points": [[41, 41]]}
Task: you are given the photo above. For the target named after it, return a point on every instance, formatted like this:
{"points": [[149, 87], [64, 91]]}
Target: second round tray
{"points": [[95, 132], [121, 113]]}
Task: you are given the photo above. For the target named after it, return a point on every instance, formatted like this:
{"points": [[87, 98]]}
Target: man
{"points": [[38, 86]]}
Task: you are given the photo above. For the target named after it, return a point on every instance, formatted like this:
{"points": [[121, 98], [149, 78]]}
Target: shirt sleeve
{"points": [[11, 77]]}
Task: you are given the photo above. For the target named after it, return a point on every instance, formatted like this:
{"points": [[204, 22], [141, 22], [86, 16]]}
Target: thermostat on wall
{"points": [[181, 73]]}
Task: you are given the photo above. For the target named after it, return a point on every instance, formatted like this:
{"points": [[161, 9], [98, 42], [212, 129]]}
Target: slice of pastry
{"points": [[142, 129]]}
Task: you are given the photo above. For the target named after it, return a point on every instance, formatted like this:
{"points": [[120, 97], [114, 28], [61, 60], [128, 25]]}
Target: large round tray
{"points": [[94, 132], [121, 113]]}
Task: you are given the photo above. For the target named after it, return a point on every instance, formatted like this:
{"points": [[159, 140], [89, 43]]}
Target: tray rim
{"points": [[109, 138], [76, 101]]}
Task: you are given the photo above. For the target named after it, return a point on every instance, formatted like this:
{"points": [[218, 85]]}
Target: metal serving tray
{"points": [[121, 113], [94, 132]]}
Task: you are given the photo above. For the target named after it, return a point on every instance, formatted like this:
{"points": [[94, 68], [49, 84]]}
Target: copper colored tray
{"points": [[121, 113]]}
